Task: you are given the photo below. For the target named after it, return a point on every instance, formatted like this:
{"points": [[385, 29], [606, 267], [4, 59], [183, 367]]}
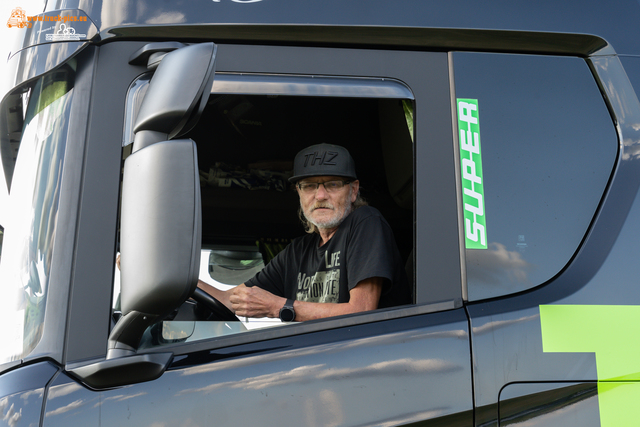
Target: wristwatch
{"points": [[287, 313]]}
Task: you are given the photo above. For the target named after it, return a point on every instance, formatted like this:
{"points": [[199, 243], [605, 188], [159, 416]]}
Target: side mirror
{"points": [[160, 235], [160, 238], [160, 225]]}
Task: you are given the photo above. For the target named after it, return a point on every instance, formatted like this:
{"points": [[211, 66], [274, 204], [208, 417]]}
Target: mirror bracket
{"points": [[150, 53]]}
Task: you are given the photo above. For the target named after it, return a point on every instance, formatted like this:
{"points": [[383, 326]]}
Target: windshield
{"points": [[35, 127]]}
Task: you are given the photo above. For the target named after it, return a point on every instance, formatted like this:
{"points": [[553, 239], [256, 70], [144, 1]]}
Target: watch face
{"points": [[287, 314]]}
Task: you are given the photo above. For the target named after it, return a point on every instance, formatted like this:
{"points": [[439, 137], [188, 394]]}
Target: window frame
{"points": [[228, 83]]}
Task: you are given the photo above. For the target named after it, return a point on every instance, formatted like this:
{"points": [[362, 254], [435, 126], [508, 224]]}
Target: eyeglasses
{"points": [[329, 186]]}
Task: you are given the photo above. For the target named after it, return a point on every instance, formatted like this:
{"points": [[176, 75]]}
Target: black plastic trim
{"points": [[122, 371], [379, 37]]}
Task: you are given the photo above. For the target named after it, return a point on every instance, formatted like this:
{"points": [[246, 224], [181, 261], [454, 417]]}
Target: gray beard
{"points": [[335, 222]]}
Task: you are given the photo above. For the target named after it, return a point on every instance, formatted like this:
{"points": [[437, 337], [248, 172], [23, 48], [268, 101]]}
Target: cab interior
{"points": [[246, 145]]}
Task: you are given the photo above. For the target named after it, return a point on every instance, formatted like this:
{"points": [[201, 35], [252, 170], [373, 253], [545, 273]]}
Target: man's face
{"points": [[327, 209]]}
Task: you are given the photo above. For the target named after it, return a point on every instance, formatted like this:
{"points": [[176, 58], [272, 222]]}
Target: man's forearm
{"points": [[364, 297], [222, 296], [319, 310]]}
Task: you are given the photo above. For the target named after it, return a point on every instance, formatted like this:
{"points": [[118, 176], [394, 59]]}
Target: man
{"points": [[347, 263]]}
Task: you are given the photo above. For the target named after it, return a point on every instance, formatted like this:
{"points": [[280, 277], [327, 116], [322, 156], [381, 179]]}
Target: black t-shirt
{"points": [[362, 247]]}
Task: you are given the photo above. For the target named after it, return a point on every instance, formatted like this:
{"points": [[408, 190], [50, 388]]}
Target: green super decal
{"points": [[610, 333], [472, 184]]}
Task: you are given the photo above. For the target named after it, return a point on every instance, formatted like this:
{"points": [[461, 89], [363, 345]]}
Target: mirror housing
{"points": [[160, 238], [177, 94]]}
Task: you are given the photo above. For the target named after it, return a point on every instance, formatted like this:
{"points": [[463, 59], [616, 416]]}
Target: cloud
{"points": [[119, 398], [497, 265], [498, 324], [27, 394], [63, 390], [11, 417], [631, 149], [167, 18], [71, 406]]}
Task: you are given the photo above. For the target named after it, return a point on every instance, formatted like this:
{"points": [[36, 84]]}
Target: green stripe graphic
{"points": [[609, 331]]}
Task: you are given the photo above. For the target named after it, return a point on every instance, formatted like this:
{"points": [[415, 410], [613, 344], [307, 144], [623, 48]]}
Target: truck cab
{"points": [[146, 146]]}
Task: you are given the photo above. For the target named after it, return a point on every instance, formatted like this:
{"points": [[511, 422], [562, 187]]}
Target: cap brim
{"points": [[295, 179]]}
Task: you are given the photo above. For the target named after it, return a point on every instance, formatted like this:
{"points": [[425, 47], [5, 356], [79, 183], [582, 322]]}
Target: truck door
{"points": [[399, 365]]}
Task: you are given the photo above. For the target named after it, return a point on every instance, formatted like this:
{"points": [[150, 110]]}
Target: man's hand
{"points": [[222, 296], [255, 302]]}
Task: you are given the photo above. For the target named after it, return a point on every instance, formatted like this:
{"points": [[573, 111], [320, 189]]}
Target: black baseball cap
{"points": [[323, 160]]}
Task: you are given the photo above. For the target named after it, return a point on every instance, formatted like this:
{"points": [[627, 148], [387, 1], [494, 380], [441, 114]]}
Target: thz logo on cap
{"points": [[324, 157]]}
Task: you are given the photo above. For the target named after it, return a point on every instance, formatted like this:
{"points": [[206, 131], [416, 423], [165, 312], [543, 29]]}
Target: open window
{"points": [[247, 136]]}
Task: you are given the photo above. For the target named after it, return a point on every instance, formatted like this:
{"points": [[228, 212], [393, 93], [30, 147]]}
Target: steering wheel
{"points": [[219, 310]]}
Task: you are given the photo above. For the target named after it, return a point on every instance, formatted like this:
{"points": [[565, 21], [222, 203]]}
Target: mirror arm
{"points": [[127, 333], [144, 138]]}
